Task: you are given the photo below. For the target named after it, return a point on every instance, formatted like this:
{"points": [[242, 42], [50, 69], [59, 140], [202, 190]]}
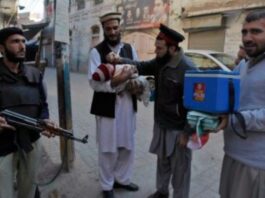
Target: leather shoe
{"points": [[158, 194], [129, 187], [108, 194]]}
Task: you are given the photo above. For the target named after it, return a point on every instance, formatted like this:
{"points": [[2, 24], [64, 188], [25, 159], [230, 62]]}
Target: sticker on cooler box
{"points": [[199, 92]]}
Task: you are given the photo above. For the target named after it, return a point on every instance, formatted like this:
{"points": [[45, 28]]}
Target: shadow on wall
{"points": [[143, 43]]}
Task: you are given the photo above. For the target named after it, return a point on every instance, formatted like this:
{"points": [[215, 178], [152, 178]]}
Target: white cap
{"points": [[110, 16]]}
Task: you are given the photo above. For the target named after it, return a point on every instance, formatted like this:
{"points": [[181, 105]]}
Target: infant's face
{"points": [[125, 67]]}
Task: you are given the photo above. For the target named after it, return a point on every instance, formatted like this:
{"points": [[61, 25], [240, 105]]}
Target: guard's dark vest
{"points": [[19, 93], [103, 104]]}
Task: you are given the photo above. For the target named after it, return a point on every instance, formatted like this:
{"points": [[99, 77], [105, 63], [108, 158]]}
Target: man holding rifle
{"points": [[21, 91]]}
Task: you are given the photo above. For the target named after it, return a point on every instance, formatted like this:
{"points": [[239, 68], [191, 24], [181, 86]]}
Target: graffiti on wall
{"points": [[137, 14]]}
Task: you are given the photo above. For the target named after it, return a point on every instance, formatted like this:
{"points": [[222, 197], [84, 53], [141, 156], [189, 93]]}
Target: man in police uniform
{"points": [[169, 140], [115, 112], [21, 90]]}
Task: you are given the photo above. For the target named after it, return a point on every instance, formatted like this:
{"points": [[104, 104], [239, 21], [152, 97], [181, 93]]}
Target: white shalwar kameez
{"points": [[115, 136]]}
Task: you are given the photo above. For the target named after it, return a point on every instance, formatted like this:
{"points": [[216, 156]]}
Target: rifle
{"points": [[18, 119]]}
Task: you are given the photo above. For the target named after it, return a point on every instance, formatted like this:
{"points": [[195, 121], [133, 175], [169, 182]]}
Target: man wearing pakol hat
{"points": [[115, 112], [22, 91], [169, 140]]}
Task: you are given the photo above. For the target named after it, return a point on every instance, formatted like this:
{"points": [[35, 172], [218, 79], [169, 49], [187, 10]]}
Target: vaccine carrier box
{"points": [[211, 91]]}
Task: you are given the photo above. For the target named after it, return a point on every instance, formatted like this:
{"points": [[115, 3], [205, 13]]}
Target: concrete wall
{"points": [[232, 12], [233, 33], [195, 7], [81, 22]]}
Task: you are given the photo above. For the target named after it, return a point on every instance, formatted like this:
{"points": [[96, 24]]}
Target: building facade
{"points": [[206, 24], [85, 29], [216, 25], [8, 12]]}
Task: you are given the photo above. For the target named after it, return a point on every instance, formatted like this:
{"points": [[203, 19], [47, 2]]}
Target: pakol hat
{"points": [[110, 16], [6, 32], [170, 35]]}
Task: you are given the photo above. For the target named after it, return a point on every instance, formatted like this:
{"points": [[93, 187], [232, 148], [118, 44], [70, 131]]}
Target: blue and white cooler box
{"points": [[211, 91]]}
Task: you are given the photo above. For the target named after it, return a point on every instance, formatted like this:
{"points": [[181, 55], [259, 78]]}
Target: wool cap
{"points": [[8, 31], [104, 72], [110, 16], [169, 35]]}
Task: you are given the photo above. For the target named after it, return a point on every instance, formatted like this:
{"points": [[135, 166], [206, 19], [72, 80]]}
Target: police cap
{"points": [[169, 35]]}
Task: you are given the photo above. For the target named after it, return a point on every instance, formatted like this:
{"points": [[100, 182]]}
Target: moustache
{"points": [[21, 52], [249, 44]]}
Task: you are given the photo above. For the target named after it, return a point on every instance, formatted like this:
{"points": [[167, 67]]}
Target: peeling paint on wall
{"points": [[209, 6]]}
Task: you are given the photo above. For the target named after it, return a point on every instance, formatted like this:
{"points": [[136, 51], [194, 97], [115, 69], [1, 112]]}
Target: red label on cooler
{"points": [[199, 91]]}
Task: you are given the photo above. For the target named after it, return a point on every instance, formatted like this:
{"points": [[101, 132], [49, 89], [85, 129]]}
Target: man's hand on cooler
{"points": [[223, 122]]}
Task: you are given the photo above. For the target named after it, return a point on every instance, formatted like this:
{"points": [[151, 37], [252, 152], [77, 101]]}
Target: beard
{"points": [[164, 59], [12, 57], [253, 50], [113, 42]]}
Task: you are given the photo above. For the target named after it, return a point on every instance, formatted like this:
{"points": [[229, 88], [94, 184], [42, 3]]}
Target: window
{"points": [[80, 4], [226, 59], [202, 62], [98, 2], [95, 30]]}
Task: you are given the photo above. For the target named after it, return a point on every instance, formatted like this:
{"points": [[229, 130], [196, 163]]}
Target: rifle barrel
{"points": [[19, 116], [15, 122], [38, 125]]}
